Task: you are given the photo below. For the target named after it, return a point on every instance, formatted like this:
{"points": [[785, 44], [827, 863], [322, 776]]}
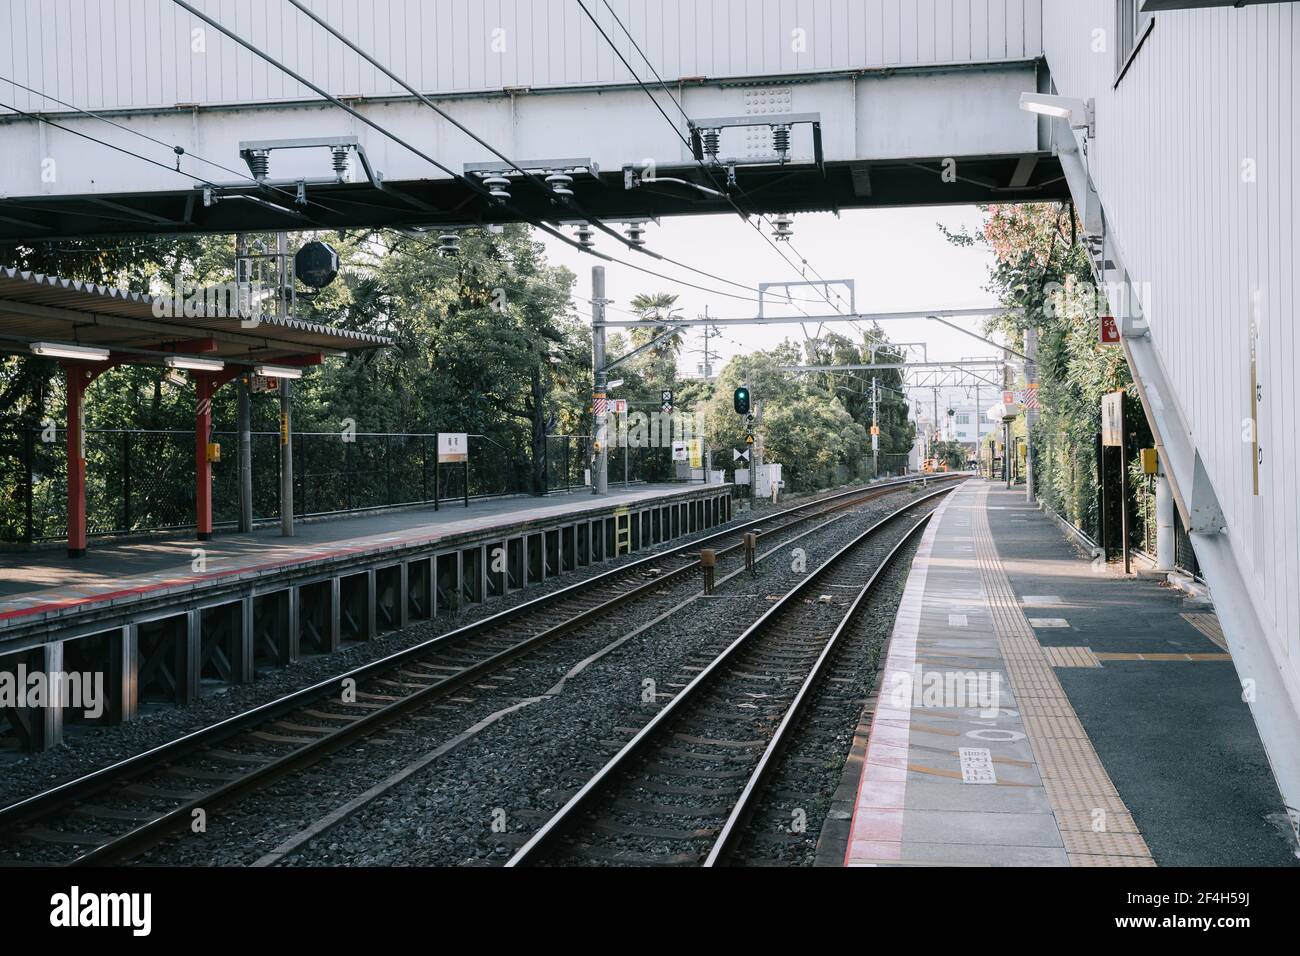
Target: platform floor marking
{"points": [[1108, 656], [957, 620], [1073, 774], [1207, 624], [1037, 600], [976, 766], [1071, 657], [876, 830], [1048, 622]]}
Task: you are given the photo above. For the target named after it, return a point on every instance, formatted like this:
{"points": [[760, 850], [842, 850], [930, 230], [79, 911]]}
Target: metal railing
{"points": [[142, 480]]}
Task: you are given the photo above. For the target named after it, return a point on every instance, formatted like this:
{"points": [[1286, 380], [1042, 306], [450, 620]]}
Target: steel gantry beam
{"points": [[985, 312], [883, 366]]}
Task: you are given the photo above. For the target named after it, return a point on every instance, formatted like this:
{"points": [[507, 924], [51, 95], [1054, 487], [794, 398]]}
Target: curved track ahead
{"points": [[683, 789]]}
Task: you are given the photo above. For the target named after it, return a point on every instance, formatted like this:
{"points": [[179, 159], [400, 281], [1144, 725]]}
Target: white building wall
{"points": [[104, 54], [1211, 95]]}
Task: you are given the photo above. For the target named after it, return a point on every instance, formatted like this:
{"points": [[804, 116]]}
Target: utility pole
{"points": [[286, 395], [1031, 412], [875, 429], [243, 293], [599, 402], [934, 443], [708, 331]]}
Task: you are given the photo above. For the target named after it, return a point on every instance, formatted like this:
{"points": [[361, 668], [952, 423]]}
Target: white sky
{"points": [[899, 259]]}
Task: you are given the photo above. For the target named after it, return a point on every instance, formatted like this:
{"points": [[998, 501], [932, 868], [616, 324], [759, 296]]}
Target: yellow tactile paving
{"points": [[1109, 656], [1076, 783], [1112, 821], [1102, 859], [1072, 657]]}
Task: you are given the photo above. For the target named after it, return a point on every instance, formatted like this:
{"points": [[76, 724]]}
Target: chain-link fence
{"points": [[143, 480]]}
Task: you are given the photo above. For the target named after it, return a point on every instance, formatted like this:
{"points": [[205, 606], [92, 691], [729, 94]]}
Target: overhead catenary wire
{"points": [[577, 208], [378, 127], [741, 212], [176, 149]]}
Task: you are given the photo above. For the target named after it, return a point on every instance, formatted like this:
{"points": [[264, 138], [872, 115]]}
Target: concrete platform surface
{"points": [[1037, 710], [47, 581]]}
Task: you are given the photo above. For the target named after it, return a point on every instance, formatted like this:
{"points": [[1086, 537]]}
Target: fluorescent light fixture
{"points": [[277, 371], [83, 353], [1080, 114], [194, 364], [614, 384]]}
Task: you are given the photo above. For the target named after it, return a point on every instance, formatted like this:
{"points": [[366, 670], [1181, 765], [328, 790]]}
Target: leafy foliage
{"points": [[1037, 268]]}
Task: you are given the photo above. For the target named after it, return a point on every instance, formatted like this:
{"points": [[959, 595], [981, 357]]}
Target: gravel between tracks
{"points": [[87, 749], [476, 803]]}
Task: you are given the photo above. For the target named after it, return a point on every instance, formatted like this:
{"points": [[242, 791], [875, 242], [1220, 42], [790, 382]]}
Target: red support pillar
{"points": [[76, 377], [204, 387]]}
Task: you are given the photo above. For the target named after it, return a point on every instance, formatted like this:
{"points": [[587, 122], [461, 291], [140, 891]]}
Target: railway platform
{"points": [[1037, 709], [166, 618]]}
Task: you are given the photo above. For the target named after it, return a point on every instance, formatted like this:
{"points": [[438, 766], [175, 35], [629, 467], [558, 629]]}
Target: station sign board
{"points": [[1112, 419], [680, 452], [263, 384], [696, 451], [452, 447]]}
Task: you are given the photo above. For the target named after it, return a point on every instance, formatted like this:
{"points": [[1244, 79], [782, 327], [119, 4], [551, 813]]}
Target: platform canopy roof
{"points": [[42, 308]]}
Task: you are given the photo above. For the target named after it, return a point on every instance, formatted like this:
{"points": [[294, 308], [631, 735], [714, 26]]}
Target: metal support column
{"points": [[600, 410], [286, 458], [1031, 413], [203, 390], [76, 378], [1164, 522], [245, 457]]}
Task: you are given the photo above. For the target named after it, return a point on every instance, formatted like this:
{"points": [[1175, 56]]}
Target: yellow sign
{"points": [[1149, 461], [749, 439], [214, 451], [875, 429], [284, 429], [696, 453]]}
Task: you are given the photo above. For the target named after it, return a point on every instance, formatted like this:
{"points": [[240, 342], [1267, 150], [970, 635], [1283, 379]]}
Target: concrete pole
{"points": [[1164, 522], [1031, 414], [875, 423], [245, 404], [286, 458], [245, 457], [286, 399], [599, 404]]}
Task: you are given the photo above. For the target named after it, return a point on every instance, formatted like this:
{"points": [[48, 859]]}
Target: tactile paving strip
{"points": [[1072, 657], [1095, 825]]}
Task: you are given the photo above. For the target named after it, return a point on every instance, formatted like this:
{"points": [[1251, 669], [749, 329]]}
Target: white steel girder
{"points": [[927, 135]]}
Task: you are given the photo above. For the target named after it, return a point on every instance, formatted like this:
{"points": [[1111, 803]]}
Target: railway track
{"points": [[117, 812], [685, 788]]}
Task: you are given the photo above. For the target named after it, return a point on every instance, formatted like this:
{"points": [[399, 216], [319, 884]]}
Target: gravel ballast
{"points": [[475, 803]]}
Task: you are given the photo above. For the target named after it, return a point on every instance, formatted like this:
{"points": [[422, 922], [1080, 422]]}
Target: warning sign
{"points": [[1109, 330]]}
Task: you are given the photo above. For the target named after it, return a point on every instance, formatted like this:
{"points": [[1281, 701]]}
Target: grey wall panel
{"points": [[1210, 96], [122, 54]]}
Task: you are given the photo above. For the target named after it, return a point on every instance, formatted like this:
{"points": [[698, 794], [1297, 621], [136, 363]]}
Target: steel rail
{"points": [[47, 802], [532, 850], [741, 813]]}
